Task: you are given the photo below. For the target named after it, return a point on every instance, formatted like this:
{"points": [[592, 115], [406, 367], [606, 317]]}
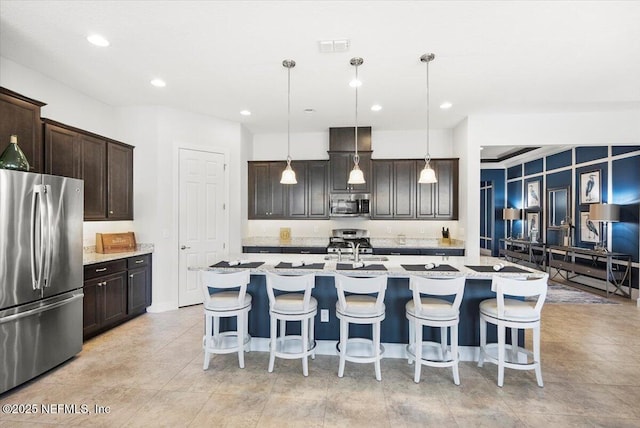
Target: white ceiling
{"points": [[219, 57]]}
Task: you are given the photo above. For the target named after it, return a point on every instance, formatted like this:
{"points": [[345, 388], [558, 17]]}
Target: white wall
{"points": [[64, 104]]}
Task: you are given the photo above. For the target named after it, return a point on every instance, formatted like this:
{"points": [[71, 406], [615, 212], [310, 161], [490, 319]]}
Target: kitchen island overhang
{"points": [[395, 327]]}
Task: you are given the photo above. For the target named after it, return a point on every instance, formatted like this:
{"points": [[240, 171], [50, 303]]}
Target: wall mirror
{"points": [[558, 206]]}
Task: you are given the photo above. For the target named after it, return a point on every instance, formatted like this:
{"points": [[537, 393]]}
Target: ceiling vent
{"points": [[328, 46]]}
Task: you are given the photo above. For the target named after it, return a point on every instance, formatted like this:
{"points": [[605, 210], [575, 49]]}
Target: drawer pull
{"points": [[101, 270], [440, 254], [305, 252], [394, 254], [264, 251], [131, 276], [139, 261]]}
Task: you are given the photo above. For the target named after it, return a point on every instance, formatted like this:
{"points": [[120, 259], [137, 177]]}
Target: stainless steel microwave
{"points": [[349, 205]]}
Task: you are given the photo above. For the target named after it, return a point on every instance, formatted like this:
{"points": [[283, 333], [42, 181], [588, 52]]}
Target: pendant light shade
{"points": [[356, 176], [288, 175], [427, 175]]}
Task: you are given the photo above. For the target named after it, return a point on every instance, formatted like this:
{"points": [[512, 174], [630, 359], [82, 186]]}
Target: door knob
{"points": [[184, 247]]}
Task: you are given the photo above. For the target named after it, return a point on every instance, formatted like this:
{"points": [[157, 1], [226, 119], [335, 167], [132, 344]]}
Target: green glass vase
{"points": [[13, 157]]}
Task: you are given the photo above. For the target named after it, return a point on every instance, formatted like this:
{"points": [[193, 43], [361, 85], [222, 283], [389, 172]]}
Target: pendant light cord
{"points": [[428, 158], [356, 158], [288, 115]]}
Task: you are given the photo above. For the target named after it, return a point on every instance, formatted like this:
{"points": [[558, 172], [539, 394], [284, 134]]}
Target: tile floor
{"points": [[149, 373]]}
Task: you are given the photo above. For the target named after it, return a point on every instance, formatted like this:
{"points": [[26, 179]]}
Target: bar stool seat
{"points": [[360, 307], [434, 312], [295, 303], [514, 314], [225, 304]]}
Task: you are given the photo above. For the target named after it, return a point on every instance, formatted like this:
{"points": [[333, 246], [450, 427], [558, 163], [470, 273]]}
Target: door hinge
{"points": [[224, 166], [224, 245], [224, 206]]}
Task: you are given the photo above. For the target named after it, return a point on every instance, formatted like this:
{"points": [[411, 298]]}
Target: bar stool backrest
{"points": [[290, 284], [212, 279], [347, 284], [518, 287], [437, 287]]}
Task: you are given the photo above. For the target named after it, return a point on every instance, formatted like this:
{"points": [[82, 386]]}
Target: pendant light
{"points": [[288, 175], [427, 175], [356, 176]]}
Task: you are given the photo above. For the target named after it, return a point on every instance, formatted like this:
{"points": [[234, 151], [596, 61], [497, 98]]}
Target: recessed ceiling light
{"points": [[446, 105], [355, 83], [245, 113], [98, 40], [376, 107], [309, 110], [158, 83]]}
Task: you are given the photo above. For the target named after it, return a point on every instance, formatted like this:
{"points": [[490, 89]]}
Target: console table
{"points": [[612, 268], [520, 250]]}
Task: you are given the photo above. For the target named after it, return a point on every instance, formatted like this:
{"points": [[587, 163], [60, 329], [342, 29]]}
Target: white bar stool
{"points": [[294, 303], [223, 304], [434, 312], [515, 314], [360, 308]]}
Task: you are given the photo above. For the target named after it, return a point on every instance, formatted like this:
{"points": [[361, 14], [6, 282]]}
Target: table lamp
{"points": [[604, 213], [511, 214]]}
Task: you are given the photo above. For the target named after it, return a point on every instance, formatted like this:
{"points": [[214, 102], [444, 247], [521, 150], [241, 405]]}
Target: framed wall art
{"points": [[589, 230], [532, 195], [590, 187], [533, 225]]}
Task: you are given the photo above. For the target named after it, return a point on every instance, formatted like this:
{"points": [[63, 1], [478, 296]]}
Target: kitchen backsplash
{"points": [[376, 228]]}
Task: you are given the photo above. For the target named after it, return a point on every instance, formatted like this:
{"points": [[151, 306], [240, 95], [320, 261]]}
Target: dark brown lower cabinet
{"points": [[114, 292]]}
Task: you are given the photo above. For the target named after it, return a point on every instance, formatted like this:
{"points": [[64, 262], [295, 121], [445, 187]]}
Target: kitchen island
{"points": [[395, 327]]}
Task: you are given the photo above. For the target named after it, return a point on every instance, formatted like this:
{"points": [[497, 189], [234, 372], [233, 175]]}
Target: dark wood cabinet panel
{"points": [[317, 189], [297, 205], [20, 116], [439, 200], [94, 174], [119, 182], [114, 292], [342, 139], [63, 152], [394, 189], [268, 199], [341, 164]]}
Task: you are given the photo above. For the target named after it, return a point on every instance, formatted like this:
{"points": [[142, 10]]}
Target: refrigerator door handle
{"points": [[37, 248], [49, 237], [40, 309]]}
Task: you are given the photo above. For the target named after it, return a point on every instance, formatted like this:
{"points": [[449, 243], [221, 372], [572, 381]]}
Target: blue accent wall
{"points": [[624, 175], [533, 167], [559, 160], [497, 177], [590, 153], [514, 172], [626, 184]]}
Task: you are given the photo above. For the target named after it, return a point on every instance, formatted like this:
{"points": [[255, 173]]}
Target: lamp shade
{"points": [[356, 176], [427, 175], [288, 176], [604, 212], [511, 214]]}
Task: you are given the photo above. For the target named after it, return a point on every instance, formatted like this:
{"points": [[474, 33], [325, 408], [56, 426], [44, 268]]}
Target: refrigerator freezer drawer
{"points": [[38, 337]]}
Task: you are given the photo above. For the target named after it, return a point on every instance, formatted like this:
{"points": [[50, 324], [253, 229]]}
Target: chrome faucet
{"points": [[356, 251]]}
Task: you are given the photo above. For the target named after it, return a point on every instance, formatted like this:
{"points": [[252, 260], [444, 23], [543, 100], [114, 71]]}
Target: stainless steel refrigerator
{"points": [[41, 273]]}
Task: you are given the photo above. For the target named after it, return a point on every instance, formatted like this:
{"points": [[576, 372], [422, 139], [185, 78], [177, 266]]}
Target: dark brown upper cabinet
{"points": [[20, 116], [341, 164], [308, 199], [105, 165], [439, 200], [394, 189]]}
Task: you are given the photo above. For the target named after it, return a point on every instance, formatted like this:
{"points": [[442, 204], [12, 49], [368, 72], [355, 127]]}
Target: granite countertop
{"points": [[393, 264], [90, 256], [267, 241]]}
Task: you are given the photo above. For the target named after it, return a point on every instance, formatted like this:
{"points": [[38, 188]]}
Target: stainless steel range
{"points": [[347, 241]]}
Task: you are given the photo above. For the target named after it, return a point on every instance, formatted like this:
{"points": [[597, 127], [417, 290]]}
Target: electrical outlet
{"points": [[324, 315]]}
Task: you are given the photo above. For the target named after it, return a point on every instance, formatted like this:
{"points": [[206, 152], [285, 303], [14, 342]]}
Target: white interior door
{"points": [[202, 230]]}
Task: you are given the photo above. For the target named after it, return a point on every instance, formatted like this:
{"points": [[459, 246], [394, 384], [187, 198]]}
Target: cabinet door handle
{"points": [[110, 212], [139, 261], [101, 270], [131, 276], [184, 247]]}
